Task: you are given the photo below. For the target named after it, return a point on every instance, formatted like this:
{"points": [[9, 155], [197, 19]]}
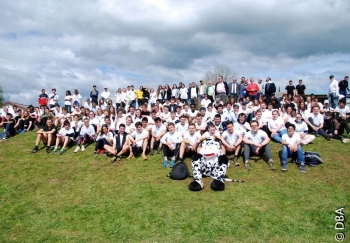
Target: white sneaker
{"points": [[77, 149], [82, 148]]}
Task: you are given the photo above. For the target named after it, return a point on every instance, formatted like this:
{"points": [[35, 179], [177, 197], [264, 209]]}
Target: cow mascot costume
{"points": [[209, 161]]}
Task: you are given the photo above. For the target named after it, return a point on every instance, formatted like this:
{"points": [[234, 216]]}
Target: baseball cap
{"points": [[326, 102]]}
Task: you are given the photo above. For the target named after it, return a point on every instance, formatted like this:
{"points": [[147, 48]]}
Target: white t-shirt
{"points": [[106, 94], [64, 131], [318, 120], [76, 98], [136, 135], [183, 93], [158, 130], [89, 130], [273, 124], [108, 136], [256, 137], [300, 127], [172, 137], [68, 102], [239, 127], [205, 103], [343, 111], [53, 98], [191, 138], [231, 139], [291, 140], [207, 134], [182, 129], [267, 114]]}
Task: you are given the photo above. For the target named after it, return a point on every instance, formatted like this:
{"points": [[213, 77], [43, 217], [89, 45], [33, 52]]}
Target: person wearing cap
{"points": [[94, 94], [53, 98], [221, 89], [333, 92], [344, 86], [105, 95], [326, 107], [291, 147]]}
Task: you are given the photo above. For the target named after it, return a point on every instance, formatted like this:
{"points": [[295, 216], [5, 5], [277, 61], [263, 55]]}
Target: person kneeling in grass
{"points": [[64, 137], [291, 147], [87, 135], [120, 144], [47, 134]]}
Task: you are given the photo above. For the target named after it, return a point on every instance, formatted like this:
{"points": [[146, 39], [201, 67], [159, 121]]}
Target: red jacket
{"points": [[253, 88]]}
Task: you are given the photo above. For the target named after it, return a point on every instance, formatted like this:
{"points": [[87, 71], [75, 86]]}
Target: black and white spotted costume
{"points": [[209, 162]]}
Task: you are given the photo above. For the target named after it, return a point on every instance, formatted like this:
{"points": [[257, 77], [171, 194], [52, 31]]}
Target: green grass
{"points": [[79, 198]]}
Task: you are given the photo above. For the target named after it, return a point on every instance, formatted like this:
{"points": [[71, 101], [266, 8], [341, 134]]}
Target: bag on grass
{"points": [[179, 171], [312, 158]]}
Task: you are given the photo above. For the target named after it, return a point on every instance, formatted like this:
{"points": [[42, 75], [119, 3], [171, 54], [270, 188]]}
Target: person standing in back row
{"points": [[301, 89], [234, 89], [221, 89]]}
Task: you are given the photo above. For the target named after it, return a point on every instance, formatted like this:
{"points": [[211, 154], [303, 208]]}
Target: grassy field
{"points": [[79, 198]]}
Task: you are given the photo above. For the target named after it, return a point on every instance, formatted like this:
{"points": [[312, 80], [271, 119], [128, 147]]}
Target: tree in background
{"points": [[220, 70], [1, 97]]}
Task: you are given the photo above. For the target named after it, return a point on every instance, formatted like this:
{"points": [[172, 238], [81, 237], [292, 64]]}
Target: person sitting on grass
{"points": [[171, 143], [87, 135], [120, 144], [232, 141], [61, 117], [291, 147], [190, 142], [138, 141], [47, 115], [47, 134], [276, 127], [334, 128], [315, 121], [158, 131], [302, 130], [104, 139], [256, 142], [76, 124], [25, 123], [9, 125], [65, 137]]}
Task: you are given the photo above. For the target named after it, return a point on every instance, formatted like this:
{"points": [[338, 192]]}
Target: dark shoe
{"points": [[158, 150], [119, 158], [151, 152], [247, 165], [95, 153], [35, 150], [48, 149], [113, 159], [235, 160]]}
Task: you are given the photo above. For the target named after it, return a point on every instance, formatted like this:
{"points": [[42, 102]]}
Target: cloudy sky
{"points": [[75, 44]]}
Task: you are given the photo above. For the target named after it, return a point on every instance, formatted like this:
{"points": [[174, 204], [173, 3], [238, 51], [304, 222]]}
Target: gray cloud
{"points": [[75, 44]]}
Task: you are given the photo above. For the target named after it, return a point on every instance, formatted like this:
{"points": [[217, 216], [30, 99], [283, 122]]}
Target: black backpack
{"points": [[312, 158], [179, 171]]}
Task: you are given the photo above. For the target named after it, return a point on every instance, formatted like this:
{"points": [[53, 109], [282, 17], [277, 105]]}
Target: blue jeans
{"points": [[287, 153], [343, 93], [278, 136], [333, 100]]}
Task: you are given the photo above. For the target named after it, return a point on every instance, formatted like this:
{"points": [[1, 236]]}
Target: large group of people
{"points": [[244, 116]]}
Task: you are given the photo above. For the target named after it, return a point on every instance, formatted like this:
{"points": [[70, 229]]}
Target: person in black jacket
{"points": [[120, 144], [344, 86], [221, 89], [270, 89], [94, 94], [145, 95]]}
